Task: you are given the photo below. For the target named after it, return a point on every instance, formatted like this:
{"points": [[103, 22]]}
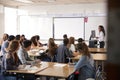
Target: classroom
{"points": [[43, 25]]}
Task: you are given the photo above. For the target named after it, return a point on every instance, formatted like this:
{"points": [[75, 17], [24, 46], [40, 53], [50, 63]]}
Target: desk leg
{"points": [[96, 64], [102, 66]]}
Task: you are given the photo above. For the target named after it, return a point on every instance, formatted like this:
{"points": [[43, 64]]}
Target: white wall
{"points": [[1, 20], [66, 9], [96, 13]]}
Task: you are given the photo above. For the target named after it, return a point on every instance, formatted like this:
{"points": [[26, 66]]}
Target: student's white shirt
{"points": [[101, 36], [72, 47]]}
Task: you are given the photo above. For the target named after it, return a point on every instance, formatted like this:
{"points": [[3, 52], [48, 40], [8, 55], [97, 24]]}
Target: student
{"points": [[79, 44], [101, 36], [85, 65], [71, 44], [4, 38], [17, 37], [51, 52], [34, 42], [12, 60], [38, 41], [23, 54], [4, 47], [65, 36], [22, 38], [63, 52]]}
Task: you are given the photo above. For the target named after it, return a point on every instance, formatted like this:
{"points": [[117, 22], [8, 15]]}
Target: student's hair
{"points": [[83, 48], [13, 46], [34, 40], [5, 36], [37, 37], [102, 29], [65, 41], [11, 37], [23, 35], [27, 43], [71, 40], [17, 37], [80, 40], [52, 47], [65, 36]]}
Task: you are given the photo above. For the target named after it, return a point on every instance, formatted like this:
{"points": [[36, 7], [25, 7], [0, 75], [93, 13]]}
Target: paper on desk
{"points": [[33, 68], [24, 67], [60, 65], [28, 67]]}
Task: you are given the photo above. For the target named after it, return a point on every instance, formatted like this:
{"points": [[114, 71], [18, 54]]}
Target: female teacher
{"points": [[101, 36]]}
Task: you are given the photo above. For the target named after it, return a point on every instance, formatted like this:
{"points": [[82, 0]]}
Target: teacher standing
{"points": [[101, 36]]}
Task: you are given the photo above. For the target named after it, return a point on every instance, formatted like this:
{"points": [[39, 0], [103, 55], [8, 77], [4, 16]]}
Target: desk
{"points": [[98, 57], [31, 70], [57, 70], [97, 50]]}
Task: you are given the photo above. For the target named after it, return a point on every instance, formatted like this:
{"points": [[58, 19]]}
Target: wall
{"points": [[96, 13], [66, 9], [1, 20]]}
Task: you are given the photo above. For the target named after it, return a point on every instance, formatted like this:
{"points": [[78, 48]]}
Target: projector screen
{"points": [[70, 26]]}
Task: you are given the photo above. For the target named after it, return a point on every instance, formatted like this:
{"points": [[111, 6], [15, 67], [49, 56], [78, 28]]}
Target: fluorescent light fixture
{"points": [[24, 1]]}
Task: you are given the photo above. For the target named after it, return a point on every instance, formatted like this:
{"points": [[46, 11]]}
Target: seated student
{"points": [[63, 52], [23, 54], [4, 38], [11, 61], [35, 44], [38, 41], [85, 65], [79, 44], [4, 47], [71, 45], [22, 38], [51, 52]]}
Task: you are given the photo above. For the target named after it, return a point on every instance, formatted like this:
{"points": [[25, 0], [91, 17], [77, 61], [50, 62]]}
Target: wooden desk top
{"points": [[97, 56], [97, 50], [57, 70], [31, 70], [100, 56]]}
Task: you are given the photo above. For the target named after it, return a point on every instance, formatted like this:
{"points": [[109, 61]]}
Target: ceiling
{"points": [[16, 3]]}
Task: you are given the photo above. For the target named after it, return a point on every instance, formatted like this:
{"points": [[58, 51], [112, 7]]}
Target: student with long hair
{"points": [[52, 49], [71, 44], [85, 65], [51, 52], [12, 60]]}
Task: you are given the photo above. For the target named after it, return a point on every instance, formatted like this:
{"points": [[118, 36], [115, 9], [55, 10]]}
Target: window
{"points": [[32, 25], [10, 21]]}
